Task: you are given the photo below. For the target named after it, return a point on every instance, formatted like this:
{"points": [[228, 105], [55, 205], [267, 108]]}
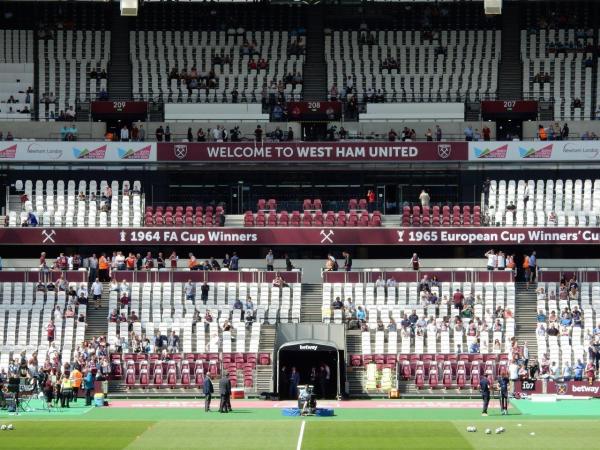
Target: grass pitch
{"points": [[562, 425]]}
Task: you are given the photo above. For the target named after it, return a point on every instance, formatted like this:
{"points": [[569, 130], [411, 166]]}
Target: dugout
{"points": [[308, 346]]}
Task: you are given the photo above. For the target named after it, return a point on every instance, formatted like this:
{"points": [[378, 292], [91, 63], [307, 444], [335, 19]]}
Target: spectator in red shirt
{"points": [[62, 262], [50, 329], [252, 65], [458, 299], [371, 200], [486, 133], [262, 64], [130, 262]]}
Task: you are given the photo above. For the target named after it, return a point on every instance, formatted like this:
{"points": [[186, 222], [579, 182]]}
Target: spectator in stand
{"points": [[234, 262], [269, 259], [578, 370], [491, 259], [415, 262], [468, 133], [438, 133], [371, 200], [457, 300], [542, 134], [333, 93], [97, 293], [486, 133], [424, 198], [190, 291], [173, 343], [124, 134], [160, 133], [103, 268]]}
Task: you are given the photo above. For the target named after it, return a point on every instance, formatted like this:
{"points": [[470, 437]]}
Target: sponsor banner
{"points": [[576, 388], [524, 151], [78, 152], [348, 152], [300, 236]]}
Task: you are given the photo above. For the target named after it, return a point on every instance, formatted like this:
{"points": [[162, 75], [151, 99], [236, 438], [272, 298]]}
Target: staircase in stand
{"points": [[510, 67], [525, 317], [315, 69], [119, 67], [97, 319], [312, 302]]}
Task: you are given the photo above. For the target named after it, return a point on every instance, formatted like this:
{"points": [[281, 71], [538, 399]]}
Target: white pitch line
{"points": [[299, 446]]}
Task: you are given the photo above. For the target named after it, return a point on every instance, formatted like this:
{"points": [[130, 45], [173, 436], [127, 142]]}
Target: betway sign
{"points": [[585, 389], [308, 347], [313, 152]]}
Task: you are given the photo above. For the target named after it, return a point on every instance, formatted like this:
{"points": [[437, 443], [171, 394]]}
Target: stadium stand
{"points": [[26, 311], [16, 74], [565, 323], [215, 65], [549, 202], [83, 205], [414, 58], [66, 62], [556, 68], [227, 341]]}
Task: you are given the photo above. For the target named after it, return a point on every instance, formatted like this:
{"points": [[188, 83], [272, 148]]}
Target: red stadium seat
{"points": [[433, 378], [130, 377], [447, 378], [419, 378], [144, 377], [171, 377], [460, 378], [475, 378]]}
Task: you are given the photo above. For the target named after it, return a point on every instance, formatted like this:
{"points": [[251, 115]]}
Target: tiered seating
{"points": [[188, 370], [16, 72], [312, 219], [179, 216], [65, 63], [53, 207], [444, 216], [444, 371], [158, 52], [24, 315], [573, 202], [163, 306], [569, 78], [572, 342], [394, 302], [469, 70]]}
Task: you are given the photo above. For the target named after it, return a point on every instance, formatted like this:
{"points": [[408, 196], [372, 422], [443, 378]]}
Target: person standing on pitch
{"points": [[484, 387], [225, 392], [503, 383], [208, 390]]}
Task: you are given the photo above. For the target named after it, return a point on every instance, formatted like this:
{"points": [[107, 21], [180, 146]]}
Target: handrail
{"points": [[152, 276], [462, 275]]}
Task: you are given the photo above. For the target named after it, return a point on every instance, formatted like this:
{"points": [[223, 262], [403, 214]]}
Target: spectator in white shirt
{"points": [[501, 261], [491, 259], [380, 282], [97, 293], [424, 198], [124, 134]]}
